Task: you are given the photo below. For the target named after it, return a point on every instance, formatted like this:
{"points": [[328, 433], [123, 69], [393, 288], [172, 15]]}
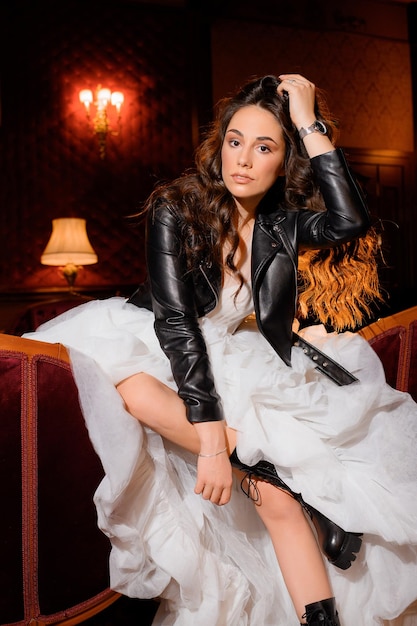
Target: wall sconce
{"points": [[100, 123], [69, 248]]}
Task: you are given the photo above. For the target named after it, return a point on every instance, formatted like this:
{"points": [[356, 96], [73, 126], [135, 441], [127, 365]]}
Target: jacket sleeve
{"points": [[176, 318], [346, 217]]}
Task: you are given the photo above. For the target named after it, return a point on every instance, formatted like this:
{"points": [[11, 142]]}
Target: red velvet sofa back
{"points": [[394, 339], [54, 559]]}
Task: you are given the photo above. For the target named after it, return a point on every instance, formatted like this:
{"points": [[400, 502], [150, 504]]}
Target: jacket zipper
{"points": [[291, 253], [216, 297]]}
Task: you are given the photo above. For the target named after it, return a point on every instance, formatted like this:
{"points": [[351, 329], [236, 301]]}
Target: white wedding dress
{"points": [[351, 451]]}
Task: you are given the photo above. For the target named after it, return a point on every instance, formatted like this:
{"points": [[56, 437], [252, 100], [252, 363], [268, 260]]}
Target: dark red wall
{"points": [[49, 159]]}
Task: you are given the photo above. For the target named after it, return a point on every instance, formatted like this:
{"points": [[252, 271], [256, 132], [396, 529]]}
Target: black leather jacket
{"points": [[179, 298]]}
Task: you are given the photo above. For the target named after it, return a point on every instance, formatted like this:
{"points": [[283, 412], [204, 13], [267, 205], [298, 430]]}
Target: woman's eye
{"points": [[234, 142], [264, 149]]}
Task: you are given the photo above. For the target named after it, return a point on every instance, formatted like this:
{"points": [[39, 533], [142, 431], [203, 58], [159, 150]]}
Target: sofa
{"points": [[394, 339], [54, 559]]}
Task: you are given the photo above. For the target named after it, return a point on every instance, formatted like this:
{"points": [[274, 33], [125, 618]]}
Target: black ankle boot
{"points": [[322, 613], [339, 546]]}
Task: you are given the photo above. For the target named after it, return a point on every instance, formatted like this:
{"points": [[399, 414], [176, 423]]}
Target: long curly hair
{"points": [[336, 285]]}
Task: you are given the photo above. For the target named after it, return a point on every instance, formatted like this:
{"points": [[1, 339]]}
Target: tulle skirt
{"points": [[350, 451]]}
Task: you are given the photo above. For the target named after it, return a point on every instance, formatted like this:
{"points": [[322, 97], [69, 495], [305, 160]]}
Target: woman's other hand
{"points": [[214, 471], [214, 478]]}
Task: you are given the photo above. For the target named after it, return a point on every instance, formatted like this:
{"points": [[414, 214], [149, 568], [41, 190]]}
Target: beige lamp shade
{"points": [[69, 243]]}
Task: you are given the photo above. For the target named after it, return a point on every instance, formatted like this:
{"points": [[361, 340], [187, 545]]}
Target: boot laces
{"points": [[249, 487]]}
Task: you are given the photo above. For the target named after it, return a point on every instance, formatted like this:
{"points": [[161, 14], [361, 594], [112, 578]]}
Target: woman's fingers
{"points": [[294, 79], [302, 95], [214, 479], [217, 495]]}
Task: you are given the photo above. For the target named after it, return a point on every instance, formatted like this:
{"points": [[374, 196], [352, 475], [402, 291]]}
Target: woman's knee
{"points": [[273, 504], [145, 397]]}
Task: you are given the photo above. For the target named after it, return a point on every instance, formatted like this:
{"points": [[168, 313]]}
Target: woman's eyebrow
{"points": [[262, 138], [234, 130], [266, 138]]}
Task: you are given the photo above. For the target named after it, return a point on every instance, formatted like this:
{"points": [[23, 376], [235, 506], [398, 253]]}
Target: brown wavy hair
{"points": [[336, 285]]}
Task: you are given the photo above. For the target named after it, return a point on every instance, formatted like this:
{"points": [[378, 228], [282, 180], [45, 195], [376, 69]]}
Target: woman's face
{"points": [[253, 154]]}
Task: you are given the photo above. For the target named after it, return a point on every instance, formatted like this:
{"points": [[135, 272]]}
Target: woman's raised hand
{"points": [[302, 98], [302, 95]]}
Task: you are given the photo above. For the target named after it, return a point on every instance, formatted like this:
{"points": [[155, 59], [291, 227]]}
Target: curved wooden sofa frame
{"points": [[394, 339], [54, 559]]}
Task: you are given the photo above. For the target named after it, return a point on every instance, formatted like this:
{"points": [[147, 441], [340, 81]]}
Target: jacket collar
{"points": [[269, 223]]}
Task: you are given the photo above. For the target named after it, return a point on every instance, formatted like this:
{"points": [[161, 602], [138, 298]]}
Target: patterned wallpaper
{"points": [[367, 80], [49, 159]]}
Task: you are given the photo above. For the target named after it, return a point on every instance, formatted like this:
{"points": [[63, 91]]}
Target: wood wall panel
{"points": [[388, 179]]}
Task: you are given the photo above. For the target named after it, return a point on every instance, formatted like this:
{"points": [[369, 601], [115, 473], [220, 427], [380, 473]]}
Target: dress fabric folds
{"points": [[350, 451]]}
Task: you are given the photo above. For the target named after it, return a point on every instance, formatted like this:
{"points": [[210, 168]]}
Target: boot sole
{"points": [[351, 546], [345, 544]]}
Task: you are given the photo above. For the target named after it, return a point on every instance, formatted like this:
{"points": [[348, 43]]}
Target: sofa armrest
{"points": [[394, 339]]}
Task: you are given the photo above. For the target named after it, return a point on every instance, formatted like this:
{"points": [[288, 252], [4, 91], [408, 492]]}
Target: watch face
{"points": [[320, 127]]}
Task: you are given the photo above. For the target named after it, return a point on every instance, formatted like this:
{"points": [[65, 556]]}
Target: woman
{"points": [[206, 382]]}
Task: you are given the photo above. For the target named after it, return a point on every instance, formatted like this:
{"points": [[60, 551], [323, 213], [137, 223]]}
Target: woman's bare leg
{"points": [[160, 408], [295, 546]]}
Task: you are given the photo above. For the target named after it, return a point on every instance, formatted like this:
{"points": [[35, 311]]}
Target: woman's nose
{"points": [[243, 160]]}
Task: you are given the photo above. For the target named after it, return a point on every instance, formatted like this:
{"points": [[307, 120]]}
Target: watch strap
{"points": [[313, 128]]}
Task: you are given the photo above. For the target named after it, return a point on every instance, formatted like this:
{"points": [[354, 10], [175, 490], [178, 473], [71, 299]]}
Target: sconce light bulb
{"points": [[101, 123], [117, 99], [103, 96], [86, 97]]}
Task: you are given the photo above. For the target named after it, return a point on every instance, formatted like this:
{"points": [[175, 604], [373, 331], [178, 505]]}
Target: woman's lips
{"points": [[241, 179]]}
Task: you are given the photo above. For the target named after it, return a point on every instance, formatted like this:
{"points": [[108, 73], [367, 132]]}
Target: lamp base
{"points": [[70, 272]]}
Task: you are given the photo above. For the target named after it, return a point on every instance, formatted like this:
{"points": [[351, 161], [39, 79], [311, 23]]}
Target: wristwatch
{"points": [[315, 127]]}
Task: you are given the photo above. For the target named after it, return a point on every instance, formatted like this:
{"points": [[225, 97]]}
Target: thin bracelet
{"points": [[206, 456]]}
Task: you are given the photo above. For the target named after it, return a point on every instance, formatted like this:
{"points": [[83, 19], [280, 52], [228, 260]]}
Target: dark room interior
{"points": [[173, 60]]}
